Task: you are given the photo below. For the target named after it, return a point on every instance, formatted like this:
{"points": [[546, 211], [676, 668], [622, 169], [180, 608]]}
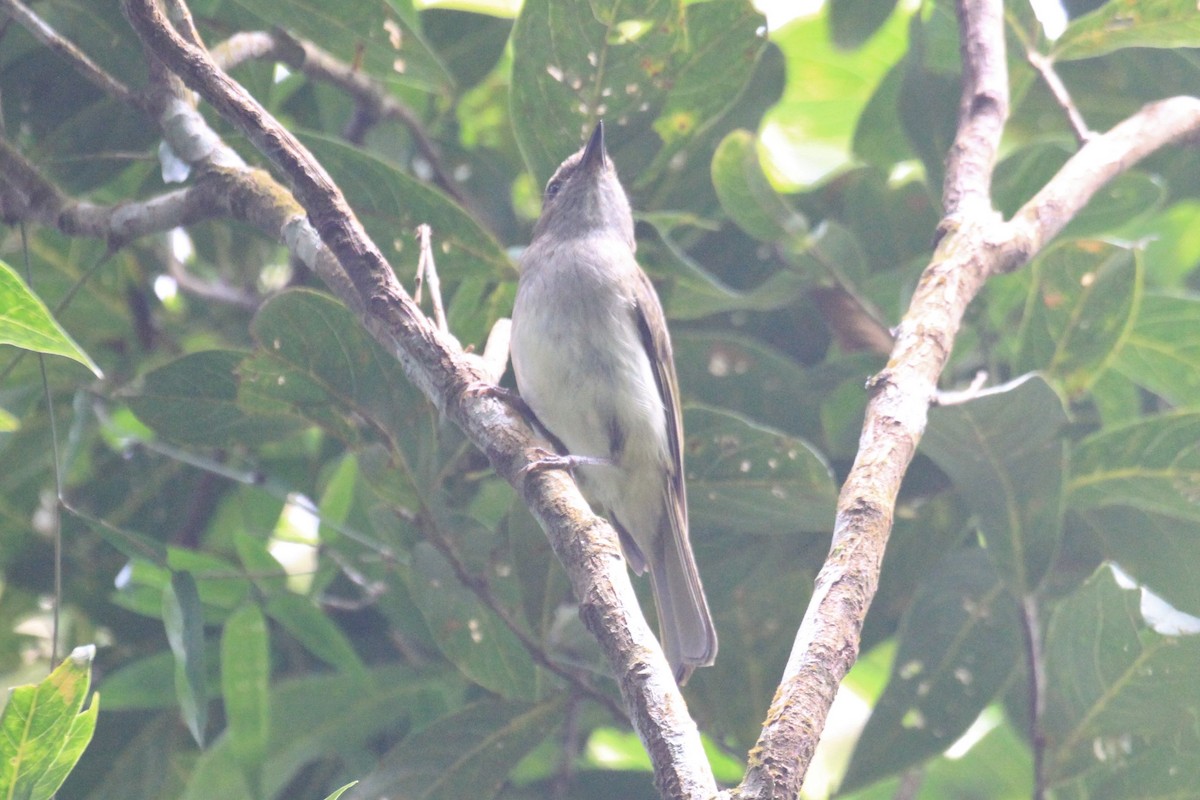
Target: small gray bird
{"points": [[593, 362]]}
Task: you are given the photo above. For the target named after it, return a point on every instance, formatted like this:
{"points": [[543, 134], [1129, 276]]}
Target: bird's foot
{"points": [[547, 460]]}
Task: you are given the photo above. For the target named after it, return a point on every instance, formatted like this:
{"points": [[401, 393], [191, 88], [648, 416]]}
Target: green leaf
{"points": [[325, 721], [1117, 24], [1088, 293], [316, 359], [375, 35], [959, 641], [25, 322], [1152, 464], [852, 22], [1162, 353], [751, 479], [193, 400], [746, 194], [1012, 481], [391, 204], [731, 371], [184, 623], [695, 293], [468, 633], [467, 754], [1126, 198], [576, 63], [43, 731], [245, 680], [341, 791], [315, 631], [149, 682], [1113, 685], [827, 91], [1155, 548]]}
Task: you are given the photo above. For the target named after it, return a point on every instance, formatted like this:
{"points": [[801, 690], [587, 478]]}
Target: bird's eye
{"points": [[552, 188]]}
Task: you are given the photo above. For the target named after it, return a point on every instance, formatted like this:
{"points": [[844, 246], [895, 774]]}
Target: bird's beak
{"points": [[595, 155]]}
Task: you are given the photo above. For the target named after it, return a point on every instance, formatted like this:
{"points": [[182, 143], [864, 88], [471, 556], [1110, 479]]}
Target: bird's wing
{"points": [[652, 326]]}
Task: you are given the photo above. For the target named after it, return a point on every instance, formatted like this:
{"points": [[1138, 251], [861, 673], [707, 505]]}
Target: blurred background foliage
{"points": [[298, 575]]}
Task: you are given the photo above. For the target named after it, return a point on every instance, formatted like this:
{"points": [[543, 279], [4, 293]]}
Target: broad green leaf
{"points": [[468, 633], [44, 731], [184, 624], [1113, 685], [194, 400], [751, 479], [959, 641], [1155, 548], [852, 22], [321, 720], [576, 63], [1162, 352], [811, 129], [467, 754], [1004, 451], [1125, 198], [1118, 24], [245, 680], [746, 194], [376, 35], [1152, 464], [695, 293], [337, 498], [149, 682], [315, 631], [315, 358], [1088, 294], [391, 204], [25, 322], [732, 371]]}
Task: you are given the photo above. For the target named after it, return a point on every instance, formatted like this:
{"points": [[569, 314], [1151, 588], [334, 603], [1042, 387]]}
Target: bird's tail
{"points": [[686, 628]]}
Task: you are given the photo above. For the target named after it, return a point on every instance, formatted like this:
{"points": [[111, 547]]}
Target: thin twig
{"points": [[1045, 68], [1031, 628], [482, 589], [89, 69], [374, 103], [427, 272]]}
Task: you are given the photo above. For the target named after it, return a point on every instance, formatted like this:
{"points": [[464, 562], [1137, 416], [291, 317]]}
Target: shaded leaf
{"points": [[576, 63], [245, 675], [375, 35], [752, 479], [1162, 352], [1004, 452], [469, 634], [1113, 684], [1160, 23], [959, 641], [184, 624], [467, 754], [300, 617], [194, 400], [1152, 464]]}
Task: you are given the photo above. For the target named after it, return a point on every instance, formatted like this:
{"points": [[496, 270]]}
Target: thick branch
{"points": [[982, 107], [587, 546], [26, 195]]}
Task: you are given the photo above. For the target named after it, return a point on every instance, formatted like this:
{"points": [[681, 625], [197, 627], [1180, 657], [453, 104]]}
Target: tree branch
{"points": [[982, 107], [89, 69], [586, 545], [975, 245], [374, 101]]}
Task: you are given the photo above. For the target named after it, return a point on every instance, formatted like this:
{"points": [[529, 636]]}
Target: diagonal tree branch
{"points": [[586, 545], [975, 244]]}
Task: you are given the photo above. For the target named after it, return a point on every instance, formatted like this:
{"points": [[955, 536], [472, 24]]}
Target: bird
{"points": [[593, 363]]}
